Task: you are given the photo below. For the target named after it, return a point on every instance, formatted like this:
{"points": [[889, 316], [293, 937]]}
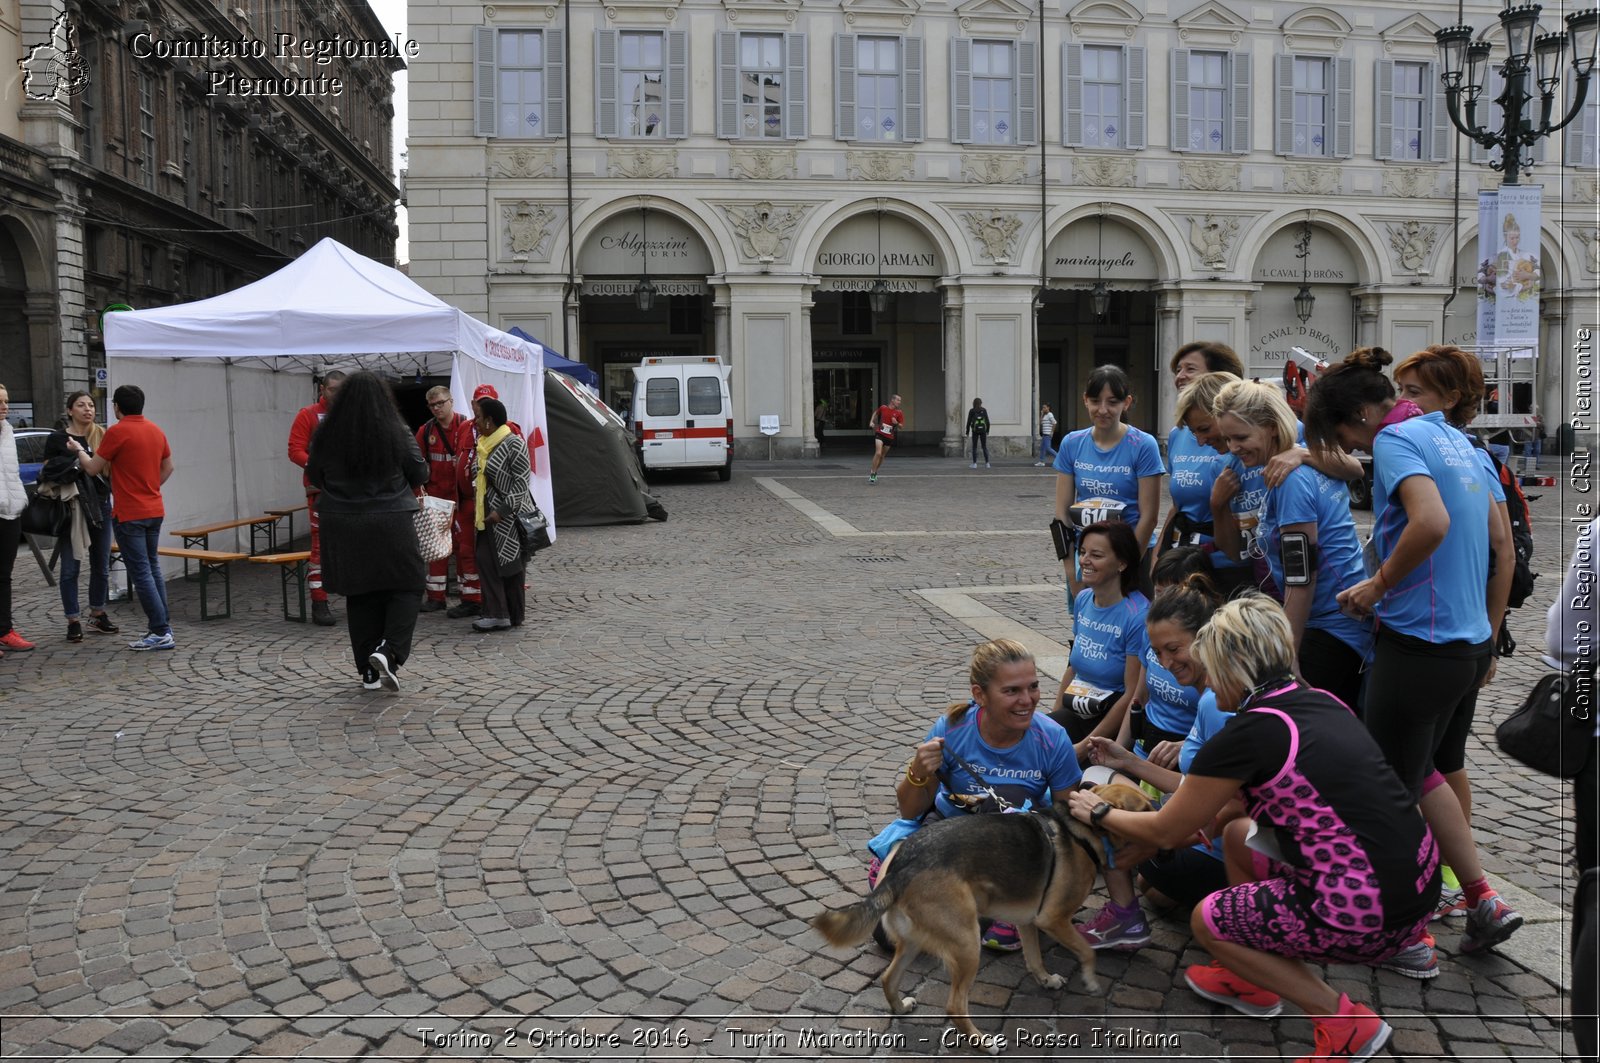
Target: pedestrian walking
{"points": [[440, 441], [365, 467], [885, 424], [13, 500], [1047, 431], [300, 433], [140, 459], [88, 538], [819, 423], [978, 429], [501, 492]]}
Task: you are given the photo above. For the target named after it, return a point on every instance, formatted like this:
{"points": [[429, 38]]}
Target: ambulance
{"points": [[682, 414]]}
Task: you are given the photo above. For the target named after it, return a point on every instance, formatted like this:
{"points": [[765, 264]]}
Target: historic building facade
{"points": [[765, 164], [134, 175]]}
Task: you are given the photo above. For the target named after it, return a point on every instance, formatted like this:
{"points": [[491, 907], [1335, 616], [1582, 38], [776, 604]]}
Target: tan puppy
{"points": [[1030, 870]]}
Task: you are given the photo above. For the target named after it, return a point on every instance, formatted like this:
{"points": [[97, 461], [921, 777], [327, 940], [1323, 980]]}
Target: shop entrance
{"points": [[847, 393], [1072, 341]]}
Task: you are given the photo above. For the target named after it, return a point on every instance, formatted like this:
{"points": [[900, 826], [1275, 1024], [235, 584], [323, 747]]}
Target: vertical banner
{"points": [[1488, 234], [1516, 267]]}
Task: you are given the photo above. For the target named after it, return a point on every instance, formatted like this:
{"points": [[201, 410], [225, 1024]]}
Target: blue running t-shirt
{"points": [[1311, 497], [1113, 473]]}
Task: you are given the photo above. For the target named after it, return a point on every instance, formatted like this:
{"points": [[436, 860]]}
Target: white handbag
{"points": [[433, 520]]}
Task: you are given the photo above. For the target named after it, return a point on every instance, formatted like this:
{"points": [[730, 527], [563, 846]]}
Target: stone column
{"points": [[44, 348], [955, 390], [570, 308], [1168, 306], [721, 341], [808, 383]]}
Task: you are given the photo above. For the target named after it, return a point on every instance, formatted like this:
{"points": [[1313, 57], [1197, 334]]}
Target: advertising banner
{"points": [[1488, 232], [1516, 267]]}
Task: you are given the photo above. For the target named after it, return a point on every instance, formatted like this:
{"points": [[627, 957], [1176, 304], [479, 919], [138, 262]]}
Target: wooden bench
{"points": [[208, 562], [199, 537], [288, 512], [291, 569]]}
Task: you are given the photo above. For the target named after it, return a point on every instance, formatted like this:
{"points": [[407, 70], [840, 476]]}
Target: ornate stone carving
{"points": [[1208, 175], [1103, 171], [1412, 243], [993, 168], [1587, 188], [1411, 182], [765, 230], [1311, 180], [644, 164], [1210, 237], [996, 231], [527, 229], [1591, 244], [880, 165], [761, 164], [526, 162]]}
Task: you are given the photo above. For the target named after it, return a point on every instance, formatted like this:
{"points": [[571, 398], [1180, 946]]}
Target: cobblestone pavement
{"points": [[602, 835]]}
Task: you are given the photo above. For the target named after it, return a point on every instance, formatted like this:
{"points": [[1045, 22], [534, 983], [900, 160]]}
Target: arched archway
{"points": [[1303, 254], [30, 360]]}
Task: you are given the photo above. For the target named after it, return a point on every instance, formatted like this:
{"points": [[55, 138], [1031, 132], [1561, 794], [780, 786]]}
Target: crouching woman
{"points": [[1353, 872]]}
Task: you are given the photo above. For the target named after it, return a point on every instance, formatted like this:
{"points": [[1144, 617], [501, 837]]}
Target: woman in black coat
{"points": [[368, 468], [501, 471]]}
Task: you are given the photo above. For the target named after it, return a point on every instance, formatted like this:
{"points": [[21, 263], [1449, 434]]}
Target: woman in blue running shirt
{"points": [[1433, 525], [1109, 460], [1308, 538], [1192, 464]]}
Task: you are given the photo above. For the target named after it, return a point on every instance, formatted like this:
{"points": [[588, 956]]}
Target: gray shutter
{"points": [[1444, 134], [844, 86], [607, 122], [727, 84], [484, 102], [1283, 128], [1343, 108], [911, 89], [677, 78], [961, 90], [1180, 100], [1134, 94], [1027, 92], [1383, 113], [1072, 95], [555, 83], [794, 86], [1239, 71]]}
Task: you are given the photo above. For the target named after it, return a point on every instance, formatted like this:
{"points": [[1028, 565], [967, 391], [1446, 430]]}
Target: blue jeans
{"points": [[99, 567], [139, 540], [1501, 451], [1047, 453]]}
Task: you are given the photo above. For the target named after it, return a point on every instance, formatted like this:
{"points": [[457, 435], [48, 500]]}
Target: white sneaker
{"points": [[154, 642], [986, 465], [379, 662], [1038, 465], [974, 465]]}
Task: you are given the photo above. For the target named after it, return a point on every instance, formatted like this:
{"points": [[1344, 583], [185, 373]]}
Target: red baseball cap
{"points": [[485, 391]]}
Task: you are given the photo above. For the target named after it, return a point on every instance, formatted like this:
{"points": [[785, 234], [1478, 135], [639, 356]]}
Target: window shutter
{"points": [[794, 86], [1283, 128], [1134, 93], [607, 123], [555, 83], [677, 76], [1027, 92], [1343, 106], [1072, 95], [1444, 134], [1180, 99], [844, 86], [911, 89], [1383, 113], [727, 84], [483, 87], [1239, 71], [961, 90]]}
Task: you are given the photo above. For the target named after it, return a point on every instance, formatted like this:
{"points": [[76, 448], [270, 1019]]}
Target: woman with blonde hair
{"points": [[1333, 864], [1307, 536]]}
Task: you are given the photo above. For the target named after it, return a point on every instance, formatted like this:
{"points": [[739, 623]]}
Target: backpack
{"points": [[980, 422], [1522, 575]]}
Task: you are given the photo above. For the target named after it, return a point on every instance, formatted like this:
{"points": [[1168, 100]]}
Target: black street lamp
{"points": [[644, 293], [1304, 302], [1100, 294], [1466, 64], [878, 297]]}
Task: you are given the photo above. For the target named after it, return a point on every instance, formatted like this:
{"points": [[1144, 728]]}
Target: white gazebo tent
{"points": [[223, 377]]}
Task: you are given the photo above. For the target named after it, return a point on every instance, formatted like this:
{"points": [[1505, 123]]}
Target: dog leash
{"points": [[961, 762]]}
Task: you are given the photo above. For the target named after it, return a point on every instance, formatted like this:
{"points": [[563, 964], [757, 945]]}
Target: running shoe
{"points": [[369, 679], [74, 631], [1452, 904], [13, 641], [1001, 937], [1417, 960], [1353, 1035], [1109, 931], [1221, 986], [1489, 922], [431, 605], [153, 641], [872, 479], [102, 625]]}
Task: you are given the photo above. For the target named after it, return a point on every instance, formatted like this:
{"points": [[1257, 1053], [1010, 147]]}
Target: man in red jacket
{"points": [[440, 441], [305, 424]]}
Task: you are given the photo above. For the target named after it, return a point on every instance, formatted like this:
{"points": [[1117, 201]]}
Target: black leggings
{"points": [[1328, 663], [10, 536], [1414, 691], [980, 439]]}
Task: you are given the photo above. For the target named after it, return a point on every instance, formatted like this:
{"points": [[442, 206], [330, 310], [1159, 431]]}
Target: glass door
{"points": [[850, 390]]}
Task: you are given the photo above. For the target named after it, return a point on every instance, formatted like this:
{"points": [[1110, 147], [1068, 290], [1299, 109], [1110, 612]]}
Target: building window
{"points": [[519, 84], [1413, 122], [147, 131], [1583, 145], [761, 86], [229, 149], [1409, 112], [878, 88], [994, 85], [1313, 106], [1104, 92], [993, 121], [641, 84], [855, 313], [1103, 125], [1208, 101]]}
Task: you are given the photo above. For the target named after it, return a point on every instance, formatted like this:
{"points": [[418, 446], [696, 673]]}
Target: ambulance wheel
{"points": [[726, 472]]}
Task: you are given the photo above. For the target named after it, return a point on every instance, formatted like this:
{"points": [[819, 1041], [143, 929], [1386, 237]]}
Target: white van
{"points": [[683, 414]]}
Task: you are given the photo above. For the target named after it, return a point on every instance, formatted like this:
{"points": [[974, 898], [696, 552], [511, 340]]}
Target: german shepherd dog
{"points": [[1032, 870]]}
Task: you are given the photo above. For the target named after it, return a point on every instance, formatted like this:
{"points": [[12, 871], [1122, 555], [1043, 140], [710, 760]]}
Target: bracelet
{"points": [[914, 780]]}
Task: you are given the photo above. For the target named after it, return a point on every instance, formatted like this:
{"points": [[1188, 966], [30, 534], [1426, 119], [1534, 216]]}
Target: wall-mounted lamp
{"points": [[1100, 295], [644, 294], [1304, 301], [878, 298]]}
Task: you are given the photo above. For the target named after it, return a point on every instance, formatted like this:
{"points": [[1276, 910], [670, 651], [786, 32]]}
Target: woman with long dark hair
{"points": [[368, 468], [1433, 524], [500, 472], [88, 535]]}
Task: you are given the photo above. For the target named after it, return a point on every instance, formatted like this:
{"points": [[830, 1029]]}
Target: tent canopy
{"points": [[554, 360]]}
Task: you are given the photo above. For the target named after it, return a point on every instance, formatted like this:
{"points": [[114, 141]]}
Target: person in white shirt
{"points": [[1047, 431]]}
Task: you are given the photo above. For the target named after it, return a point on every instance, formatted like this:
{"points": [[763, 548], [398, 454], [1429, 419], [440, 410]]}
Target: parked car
{"points": [[30, 452]]}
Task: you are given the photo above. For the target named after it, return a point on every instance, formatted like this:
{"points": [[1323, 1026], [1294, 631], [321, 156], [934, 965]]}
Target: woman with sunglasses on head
{"points": [[1433, 524]]}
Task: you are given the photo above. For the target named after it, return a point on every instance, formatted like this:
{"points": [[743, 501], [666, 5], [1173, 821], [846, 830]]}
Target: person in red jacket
{"points": [[439, 441], [305, 423]]}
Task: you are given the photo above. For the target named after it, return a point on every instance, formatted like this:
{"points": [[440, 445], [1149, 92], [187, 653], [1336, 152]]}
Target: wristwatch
{"points": [[1099, 813]]}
